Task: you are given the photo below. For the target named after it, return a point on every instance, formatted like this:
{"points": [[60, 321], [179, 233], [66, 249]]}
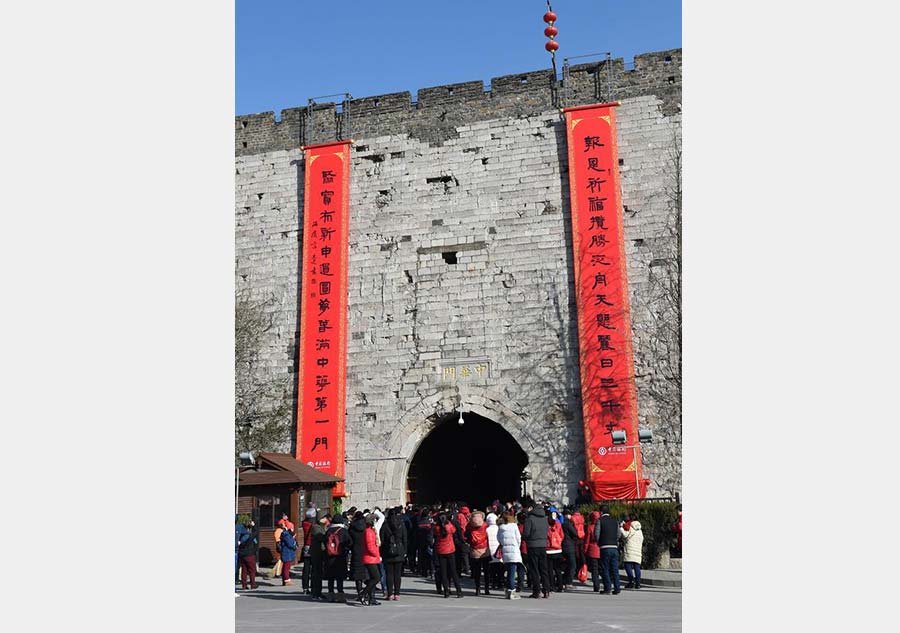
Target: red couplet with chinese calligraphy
{"points": [[609, 401], [323, 309]]}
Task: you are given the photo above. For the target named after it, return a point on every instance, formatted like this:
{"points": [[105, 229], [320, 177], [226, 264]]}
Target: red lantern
{"points": [[551, 31], [551, 46], [549, 17]]}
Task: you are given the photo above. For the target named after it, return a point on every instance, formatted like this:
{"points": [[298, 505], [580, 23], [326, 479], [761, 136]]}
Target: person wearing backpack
{"points": [[446, 550], [393, 551], [480, 557], [337, 545]]}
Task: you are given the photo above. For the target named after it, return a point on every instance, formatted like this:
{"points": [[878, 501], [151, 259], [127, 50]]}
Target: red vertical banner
{"points": [[608, 395], [321, 387]]}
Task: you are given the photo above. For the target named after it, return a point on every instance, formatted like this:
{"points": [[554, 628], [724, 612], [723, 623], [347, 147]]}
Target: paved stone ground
{"points": [[420, 610]]}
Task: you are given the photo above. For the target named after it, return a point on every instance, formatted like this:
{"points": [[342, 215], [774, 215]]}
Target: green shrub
{"points": [[244, 519], [656, 523]]}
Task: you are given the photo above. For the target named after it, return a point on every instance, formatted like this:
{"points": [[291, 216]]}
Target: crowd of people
{"points": [[505, 548]]}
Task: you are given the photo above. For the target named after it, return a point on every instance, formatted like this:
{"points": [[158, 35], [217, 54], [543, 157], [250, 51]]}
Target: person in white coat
{"points": [[379, 521], [495, 578], [634, 543], [511, 544]]}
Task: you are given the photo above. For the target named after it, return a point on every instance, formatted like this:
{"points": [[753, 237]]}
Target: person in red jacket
{"points": [[592, 551], [578, 522], [462, 556], [371, 557], [476, 537], [445, 551], [522, 568], [554, 550], [303, 555], [676, 527]]}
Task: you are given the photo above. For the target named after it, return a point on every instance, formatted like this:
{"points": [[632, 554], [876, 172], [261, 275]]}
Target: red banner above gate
{"points": [[323, 309], [609, 400]]}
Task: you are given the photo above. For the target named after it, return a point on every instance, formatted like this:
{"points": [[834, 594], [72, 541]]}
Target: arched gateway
{"points": [[475, 462]]}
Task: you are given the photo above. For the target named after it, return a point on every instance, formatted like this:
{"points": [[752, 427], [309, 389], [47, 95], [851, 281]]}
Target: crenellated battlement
{"points": [[437, 111]]}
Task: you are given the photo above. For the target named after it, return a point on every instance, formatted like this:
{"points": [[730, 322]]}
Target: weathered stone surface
{"points": [[488, 183]]}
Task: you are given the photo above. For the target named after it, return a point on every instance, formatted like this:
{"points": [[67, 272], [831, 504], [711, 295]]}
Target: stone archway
{"points": [[475, 462], [420, 420]]}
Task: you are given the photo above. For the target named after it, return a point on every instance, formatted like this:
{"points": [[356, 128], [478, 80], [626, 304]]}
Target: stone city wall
{"points": [[482, 176]]}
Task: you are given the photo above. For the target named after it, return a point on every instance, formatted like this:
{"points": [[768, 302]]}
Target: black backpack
{"points": [[393, 546]]}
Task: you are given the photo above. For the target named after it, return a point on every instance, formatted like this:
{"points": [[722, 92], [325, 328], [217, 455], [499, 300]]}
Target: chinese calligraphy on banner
{"points": [[323, 309], [609, 401]]}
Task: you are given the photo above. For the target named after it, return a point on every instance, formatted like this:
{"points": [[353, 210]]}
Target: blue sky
{"points": [[288, 52]]}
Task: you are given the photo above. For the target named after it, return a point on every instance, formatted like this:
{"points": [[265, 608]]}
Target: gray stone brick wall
{"points": [[491, 186]]}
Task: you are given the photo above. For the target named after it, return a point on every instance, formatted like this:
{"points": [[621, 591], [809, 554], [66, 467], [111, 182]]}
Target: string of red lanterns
{"points": [[551, 31]]}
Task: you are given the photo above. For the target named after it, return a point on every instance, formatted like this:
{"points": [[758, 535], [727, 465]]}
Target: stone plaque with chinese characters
{"points": [[464, 370]]}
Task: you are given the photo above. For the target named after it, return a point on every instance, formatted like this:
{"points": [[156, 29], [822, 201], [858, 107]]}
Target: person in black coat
{"points": [[425, 543], [535, 536], [606, 533], [336, 566], [570, 548], [393, 551], [247, 549], [317, 554], [409, 521], [358, 570]]}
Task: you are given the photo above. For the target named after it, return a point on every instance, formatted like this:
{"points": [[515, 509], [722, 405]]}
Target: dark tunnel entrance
{"points": [[475, 462]]}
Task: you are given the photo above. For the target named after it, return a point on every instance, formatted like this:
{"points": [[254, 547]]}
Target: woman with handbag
{"points": [[479, 555], [510, 552]]}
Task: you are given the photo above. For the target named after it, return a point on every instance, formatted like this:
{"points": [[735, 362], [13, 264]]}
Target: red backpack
{"points": [[333, 545]]}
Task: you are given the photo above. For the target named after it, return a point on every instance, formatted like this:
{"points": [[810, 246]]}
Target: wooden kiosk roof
{"points": [[282, 468]]}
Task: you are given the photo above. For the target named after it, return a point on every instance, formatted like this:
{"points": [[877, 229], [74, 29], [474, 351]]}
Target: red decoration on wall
{"points": [[323, 309], [609, 399]]}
